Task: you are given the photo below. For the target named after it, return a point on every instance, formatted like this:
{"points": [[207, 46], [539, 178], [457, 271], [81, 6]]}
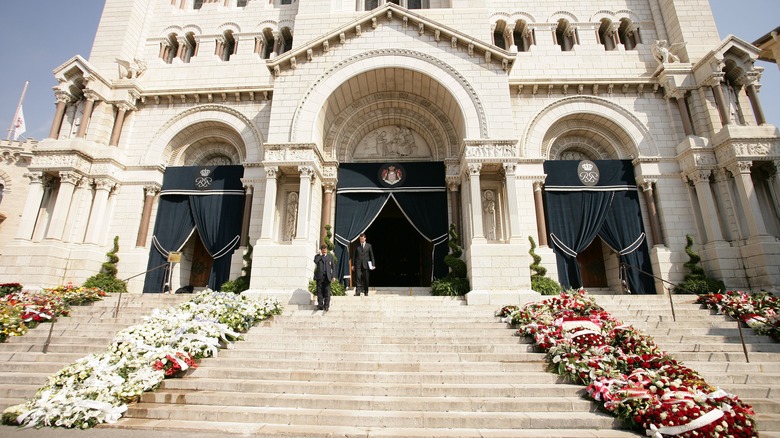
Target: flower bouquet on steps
{"points": [[626, 372]]}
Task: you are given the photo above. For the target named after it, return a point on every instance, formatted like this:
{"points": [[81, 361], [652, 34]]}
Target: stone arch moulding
{"points": [[533, 138], [6, 181], [252, 138], [308, 109]]}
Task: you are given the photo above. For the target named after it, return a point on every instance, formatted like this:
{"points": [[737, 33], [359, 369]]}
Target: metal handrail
{"points": [[119, 299], [671, 303]]}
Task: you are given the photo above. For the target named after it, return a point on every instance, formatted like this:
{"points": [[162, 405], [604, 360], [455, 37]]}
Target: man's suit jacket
{"points": [[325, 269], [362, 256]]}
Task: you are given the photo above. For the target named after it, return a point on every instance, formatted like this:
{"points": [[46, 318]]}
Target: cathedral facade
{"points": [[606, 131]]}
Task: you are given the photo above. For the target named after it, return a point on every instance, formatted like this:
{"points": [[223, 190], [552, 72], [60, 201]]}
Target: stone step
{"points": [[193, 383], [346, 375], [440, 347], [352, 338], [223, 362], [363, 402], [385, 356], [374, 418], [265, 430]]}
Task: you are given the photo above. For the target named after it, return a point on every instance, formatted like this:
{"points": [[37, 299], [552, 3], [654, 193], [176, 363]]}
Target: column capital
{"points": [[104, 184], [36, 177], [509, 168], [720, 174], [152, 189], [739, 167], [474, 169], [329, 186], [699, 176], [646, 183], [63, 96], [306, 171], [715, 79], [91, 95], [72, 178], [272, 172], [453, 185]]}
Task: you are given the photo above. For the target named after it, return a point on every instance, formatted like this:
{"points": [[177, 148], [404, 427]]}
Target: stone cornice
{"points": [[391, 12], [212, 95]]}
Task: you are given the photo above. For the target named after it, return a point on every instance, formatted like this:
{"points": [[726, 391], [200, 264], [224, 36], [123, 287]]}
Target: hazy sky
{"points": [[38, 36]]}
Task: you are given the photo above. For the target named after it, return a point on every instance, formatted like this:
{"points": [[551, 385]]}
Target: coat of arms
{"points": [[392, 174]]}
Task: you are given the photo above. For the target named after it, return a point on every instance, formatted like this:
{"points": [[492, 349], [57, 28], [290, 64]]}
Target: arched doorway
{"points": [[402, 255]]}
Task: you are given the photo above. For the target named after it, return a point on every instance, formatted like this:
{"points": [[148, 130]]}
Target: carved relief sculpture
{"points": [[489, 213], [291, 223]]}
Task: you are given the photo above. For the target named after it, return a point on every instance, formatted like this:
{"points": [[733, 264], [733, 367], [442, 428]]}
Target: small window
{"points": [[498, 35], [2, 190], [565, 35], [190, 47], [286, 2], [629, 34], [607, 34], [523, 36], [197, 4], [169, 48], [242, 3], [227, 46], [414, 4]]}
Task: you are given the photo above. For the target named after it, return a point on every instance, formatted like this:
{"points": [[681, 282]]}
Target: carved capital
{"points": [[63, 96], [475, 169], [69, 178], [509, 169], [36, 177], [91, 95], [646, 183], [740, 167], [538, 185], [699, 176], [152, 189], [306, 171], [104, 184], [271, 172]]}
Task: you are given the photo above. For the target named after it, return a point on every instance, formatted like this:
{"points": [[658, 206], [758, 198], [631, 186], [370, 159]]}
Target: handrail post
{"points": [[119, 300], [671, 303], [742, 339], [48, 339]]}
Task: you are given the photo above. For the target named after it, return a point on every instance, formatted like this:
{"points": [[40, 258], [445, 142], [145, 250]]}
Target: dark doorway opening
{"points": [[403, 256], [591, 261]]}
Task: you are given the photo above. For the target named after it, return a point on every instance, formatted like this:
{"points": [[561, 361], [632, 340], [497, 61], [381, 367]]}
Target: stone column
{"points": [[686, 118], [476, 202], [62, 101], [758, 111], [541, 221], [327, 204], [118, 122], [102, 189], [248, 192], [701, 182], [304, 199], [747, 195], [91, 98], [68, 181], [32, 205], [151, 192], [652, 211], [278, 45], [720, 100], [269, 203], [454, 188], [514, 206]]}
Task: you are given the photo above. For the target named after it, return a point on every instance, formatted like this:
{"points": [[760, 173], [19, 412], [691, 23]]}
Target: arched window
{"points": [[287, 39], [498, 35], [266, 44], [169, 48], [368, 5], [566, 35], [524, 36], [607, 34], [227, 46], [628, 33], [197, 4], [190, 47], [2, 190], [241, 3]]}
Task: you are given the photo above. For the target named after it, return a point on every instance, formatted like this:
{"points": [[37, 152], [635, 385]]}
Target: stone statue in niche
{"points": [[489, 213], [291, 223], [732, 100]]}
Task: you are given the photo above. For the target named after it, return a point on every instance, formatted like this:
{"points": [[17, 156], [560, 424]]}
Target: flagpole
{"points": [[16, 114]]}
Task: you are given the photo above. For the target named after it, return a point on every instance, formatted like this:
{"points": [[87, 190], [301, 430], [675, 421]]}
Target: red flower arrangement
{"points": [[174, 365], [626, 371], [760, 311]]}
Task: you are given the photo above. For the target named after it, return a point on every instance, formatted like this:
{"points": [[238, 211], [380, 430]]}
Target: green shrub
{"points": [[456, 283], [106, 280], [696, 282], [241, 283], [539, 281], [336, 288]]}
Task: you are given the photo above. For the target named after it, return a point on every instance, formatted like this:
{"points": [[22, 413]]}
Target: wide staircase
{"points": [[383, 365], [24, 367], [710, 344]]}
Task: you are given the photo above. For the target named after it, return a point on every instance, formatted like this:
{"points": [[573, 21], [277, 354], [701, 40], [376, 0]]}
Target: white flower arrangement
{"points": [[96, 388]]}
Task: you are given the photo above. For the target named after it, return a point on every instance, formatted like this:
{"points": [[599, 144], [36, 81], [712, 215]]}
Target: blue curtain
{"points": [[427, 211], [623, 232], [355, 212], [218, 219], [173, 227], [575, 220]]}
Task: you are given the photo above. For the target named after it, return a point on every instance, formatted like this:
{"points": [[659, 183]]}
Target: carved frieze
{"points": [[61, 162], [491, 151]]}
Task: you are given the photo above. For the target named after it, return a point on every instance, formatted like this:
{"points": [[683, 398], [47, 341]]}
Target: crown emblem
{"points": [[205, 172], [587, 166]]}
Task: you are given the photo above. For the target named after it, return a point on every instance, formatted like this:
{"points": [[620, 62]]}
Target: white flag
{"points": [[19, 126]]}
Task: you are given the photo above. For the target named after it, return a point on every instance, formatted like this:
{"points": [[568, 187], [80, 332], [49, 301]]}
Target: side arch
{"points": [[248, 148], [307, 114], [641, 141]]}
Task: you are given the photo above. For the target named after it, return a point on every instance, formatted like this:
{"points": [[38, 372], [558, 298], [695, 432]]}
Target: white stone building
{"points": [[314, 99]]}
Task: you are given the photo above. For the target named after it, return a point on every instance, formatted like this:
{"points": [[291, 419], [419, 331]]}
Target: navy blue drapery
{"points": [[209, 199], [421, 196], [577, 213]]}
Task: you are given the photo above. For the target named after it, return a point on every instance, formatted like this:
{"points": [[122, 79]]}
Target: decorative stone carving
{"points": [[392, 142], [489, 214], [152, 189], [699, 176], [475, 169], [132, 69], [662, 52], [70, 178], [271, 172], [491, 150]]}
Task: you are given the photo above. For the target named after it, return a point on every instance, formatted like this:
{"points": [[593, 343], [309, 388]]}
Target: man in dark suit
{"points": [[362, 263], [323, 275]]}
